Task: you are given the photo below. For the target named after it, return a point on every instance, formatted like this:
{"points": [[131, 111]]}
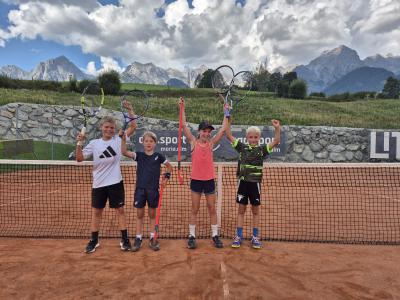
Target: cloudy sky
{"points": [[112, 34]]}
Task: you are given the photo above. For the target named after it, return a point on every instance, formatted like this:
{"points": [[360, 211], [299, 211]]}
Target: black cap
{"points": [[204, 125]]}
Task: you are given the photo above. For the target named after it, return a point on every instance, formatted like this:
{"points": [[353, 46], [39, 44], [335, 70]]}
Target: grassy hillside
{"points": [[257, 109]]}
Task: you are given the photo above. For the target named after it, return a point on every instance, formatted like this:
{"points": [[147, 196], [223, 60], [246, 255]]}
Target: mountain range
{"points": [[325, 70], [330, 72], [57, 69], [360, 79], [61, 69]]}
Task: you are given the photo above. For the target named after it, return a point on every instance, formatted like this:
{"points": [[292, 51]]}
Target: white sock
{"points": [[192, 230], [151, 235], [139, 236], [214, 230]]}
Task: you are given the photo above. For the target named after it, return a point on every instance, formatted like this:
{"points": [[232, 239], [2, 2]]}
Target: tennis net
{"points": [[338, 203]]}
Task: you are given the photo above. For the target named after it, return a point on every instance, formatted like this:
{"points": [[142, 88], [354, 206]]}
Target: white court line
{"points": [[225, 285], [31, 197]]}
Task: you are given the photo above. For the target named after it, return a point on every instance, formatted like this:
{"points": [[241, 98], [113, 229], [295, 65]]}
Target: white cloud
{"points": [[91, 68], [86, 4], [107, 64], [214, 32]]}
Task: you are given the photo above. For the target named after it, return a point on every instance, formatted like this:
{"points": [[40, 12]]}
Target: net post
{"points": [[52, 137], [16, 130], [219, 194]]}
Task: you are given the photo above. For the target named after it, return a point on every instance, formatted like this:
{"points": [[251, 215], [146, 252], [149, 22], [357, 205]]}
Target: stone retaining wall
{"points": [[60, 124]]}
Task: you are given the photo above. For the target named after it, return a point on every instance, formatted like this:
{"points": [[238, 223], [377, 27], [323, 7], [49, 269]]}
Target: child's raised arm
{"points": [[131, 129], [125, 151], [78, 151], [228, 131], [221, 131], [277, 138], [132, 125], [186, 130]]}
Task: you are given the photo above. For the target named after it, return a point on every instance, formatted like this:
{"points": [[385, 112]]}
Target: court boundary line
{"points": [[225, 285]]}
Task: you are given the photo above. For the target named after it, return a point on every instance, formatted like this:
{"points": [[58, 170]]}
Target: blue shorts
{"points": [[146, 195], [203, 186]]}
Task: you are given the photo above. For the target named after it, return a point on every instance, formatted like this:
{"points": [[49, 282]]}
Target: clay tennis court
{"points": [[337, 204], [58, 269]]}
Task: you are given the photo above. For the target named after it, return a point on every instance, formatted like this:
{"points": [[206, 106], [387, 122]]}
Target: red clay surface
{"points": [[58, 269]]}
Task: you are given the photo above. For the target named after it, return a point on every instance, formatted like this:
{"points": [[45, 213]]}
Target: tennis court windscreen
{"points": [[339, 203]]}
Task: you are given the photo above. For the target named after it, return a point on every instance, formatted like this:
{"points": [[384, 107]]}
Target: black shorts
{"points": [[203, 186], [115, 193], [146, 195], [248, 191]]}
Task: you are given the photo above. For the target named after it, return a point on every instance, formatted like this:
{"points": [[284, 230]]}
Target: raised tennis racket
{"points": [[92, 101], [181, 108], [139, 100], [231, 87], [157, 222]]}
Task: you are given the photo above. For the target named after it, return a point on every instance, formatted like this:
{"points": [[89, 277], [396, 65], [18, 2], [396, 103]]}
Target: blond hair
{"points": [[253, 129], [107, 119], [151, 135]]}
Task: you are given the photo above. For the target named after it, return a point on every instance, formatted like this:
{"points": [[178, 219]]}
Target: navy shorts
{"points": [[146, 195], [248, 191], [203, 186], [115, 193]]}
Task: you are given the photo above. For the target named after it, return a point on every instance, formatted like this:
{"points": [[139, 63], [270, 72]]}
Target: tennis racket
{"points": [[157, 222], [231, 87], [181, 108], [140, 102], [91, 95]]}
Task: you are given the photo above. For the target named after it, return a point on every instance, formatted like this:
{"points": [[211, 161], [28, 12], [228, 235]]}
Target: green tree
{"points": [[318, 95], [282, 89], [72, 85], [110, 82], [251, 82], [83, 84], [298, 89], [289, 77], [391, 89], [204, 80], [274, 80], [261, 77]]}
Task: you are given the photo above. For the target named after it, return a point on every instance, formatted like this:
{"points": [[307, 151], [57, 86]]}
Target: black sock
{"points": [[124, 234], [95, 235]]}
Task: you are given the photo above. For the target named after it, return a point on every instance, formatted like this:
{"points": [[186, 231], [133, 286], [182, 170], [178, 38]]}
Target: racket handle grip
{"points": [[83, 131], [227, 112]]}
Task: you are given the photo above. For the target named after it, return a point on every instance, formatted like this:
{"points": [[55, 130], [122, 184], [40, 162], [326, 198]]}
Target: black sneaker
{"points": [[91, 246], [191, 242], [125, 245], [137, 244], [154, 244], [217, 242]]}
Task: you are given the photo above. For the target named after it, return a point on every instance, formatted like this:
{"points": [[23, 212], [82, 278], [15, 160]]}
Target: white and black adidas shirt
{"points": [[106, 161]]}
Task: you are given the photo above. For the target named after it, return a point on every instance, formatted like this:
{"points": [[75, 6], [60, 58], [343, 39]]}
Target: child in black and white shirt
{"points": [[107, 179]]}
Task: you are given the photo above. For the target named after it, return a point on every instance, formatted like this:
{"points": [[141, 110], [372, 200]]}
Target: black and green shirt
{"points": [[250, 160]]}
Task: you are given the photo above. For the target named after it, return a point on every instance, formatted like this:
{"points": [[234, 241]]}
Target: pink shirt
{"points": [[202, 162]]}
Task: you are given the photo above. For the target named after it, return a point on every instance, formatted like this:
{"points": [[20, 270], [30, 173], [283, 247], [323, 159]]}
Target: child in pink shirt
{"points": [[202, 176]]}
